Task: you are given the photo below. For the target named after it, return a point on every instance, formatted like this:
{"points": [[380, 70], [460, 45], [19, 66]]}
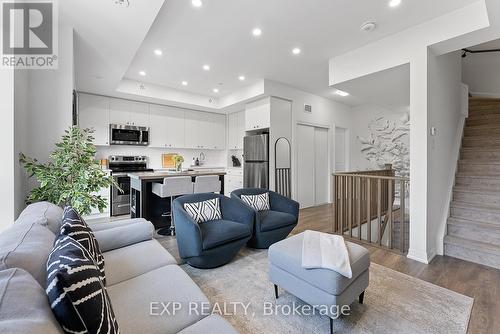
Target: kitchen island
{"points": [[145, 204]]}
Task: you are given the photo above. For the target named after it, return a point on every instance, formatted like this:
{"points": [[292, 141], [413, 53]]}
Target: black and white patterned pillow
{"points": [[204, 211], [74, 226], [257, 202], [76, 293]]}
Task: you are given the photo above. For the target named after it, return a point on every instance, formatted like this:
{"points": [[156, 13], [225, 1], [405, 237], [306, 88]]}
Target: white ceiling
{"points": [[389, 89], [219, 34], [106, 39], [487, 46]]}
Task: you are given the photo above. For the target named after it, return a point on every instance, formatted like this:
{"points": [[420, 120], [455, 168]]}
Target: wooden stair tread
{"points": [[472, 244], [467, 223], [480, 162], [475, 207], [473, 176], [476, 191]]}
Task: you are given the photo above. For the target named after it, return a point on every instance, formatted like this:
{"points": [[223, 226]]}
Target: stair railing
{"points": [[371, 206]]}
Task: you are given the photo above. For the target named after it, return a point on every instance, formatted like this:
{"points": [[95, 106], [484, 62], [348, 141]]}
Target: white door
{"points": [[305, 166], [313, 166], [340, 150], [321, 174]]}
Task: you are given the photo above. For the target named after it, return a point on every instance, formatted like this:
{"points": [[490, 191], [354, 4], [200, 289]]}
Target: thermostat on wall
{"points": [[307, 108]]}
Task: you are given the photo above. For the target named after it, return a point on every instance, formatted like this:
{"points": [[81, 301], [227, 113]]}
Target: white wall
{"points": [[445, 114], [411, 46], [43, 109], [362, 116], [481, 72], [21, 99], [7, 144], [325, 113], [213, 158]]}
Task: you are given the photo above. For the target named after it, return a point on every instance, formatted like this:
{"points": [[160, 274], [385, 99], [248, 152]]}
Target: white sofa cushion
{"points": [[24, 307], [213, 324], [132, 301], [49, 214], [134, 260], [26, 245], [124, 235]]}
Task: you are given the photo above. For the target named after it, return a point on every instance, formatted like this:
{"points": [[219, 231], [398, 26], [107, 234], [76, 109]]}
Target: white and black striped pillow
{"points": [[257, 202], [204, 211], [76, 293], [74, 226]]}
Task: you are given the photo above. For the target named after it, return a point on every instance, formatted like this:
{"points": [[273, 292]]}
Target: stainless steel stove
{"points": [[120, 166]]}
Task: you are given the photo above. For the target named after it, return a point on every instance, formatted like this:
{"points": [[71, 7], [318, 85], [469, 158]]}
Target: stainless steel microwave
{"points": [[128, 135]]}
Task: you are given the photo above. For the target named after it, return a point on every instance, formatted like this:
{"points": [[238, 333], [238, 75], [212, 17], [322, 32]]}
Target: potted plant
{"points": [[178, 159], [72, 176]]}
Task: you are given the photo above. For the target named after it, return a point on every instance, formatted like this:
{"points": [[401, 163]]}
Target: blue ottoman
{"points": [[318, 287]]}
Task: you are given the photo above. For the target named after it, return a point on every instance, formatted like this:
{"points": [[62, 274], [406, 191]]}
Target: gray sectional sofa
{"points": [[140, 275]]}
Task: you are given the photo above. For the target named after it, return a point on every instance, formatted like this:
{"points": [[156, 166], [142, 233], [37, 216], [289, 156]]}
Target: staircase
{"points": [[474, 224]]}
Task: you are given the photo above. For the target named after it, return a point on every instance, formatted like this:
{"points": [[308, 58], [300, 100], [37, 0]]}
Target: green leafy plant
{"points": [[178, 159], [72, 176]]}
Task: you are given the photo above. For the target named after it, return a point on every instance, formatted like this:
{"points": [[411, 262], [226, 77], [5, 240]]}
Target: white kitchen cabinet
{"points": [[232, 124], [204, 130], [233, 180], [139, 114], [218, 132], [125, 112], [93, 112], [236, 130], [192, 127], [258, 115], [105, 193], [167, 127], [240, 133]]}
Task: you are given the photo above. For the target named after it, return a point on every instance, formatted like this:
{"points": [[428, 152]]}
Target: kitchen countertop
{"points": [[164, 174]]}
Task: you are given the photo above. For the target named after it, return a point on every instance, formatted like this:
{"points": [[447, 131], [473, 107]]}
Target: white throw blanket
{"points": [[325, 251]]}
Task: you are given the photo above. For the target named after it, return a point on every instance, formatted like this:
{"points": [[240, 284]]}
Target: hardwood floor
{"points": [[479, 282]]}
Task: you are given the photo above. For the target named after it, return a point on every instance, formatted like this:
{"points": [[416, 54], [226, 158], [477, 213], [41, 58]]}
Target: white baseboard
{"points": [[486, 95], [420, 256], [442, 229]]}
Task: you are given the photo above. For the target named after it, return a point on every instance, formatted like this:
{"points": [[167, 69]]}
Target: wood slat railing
{"points": [[371, 206]]}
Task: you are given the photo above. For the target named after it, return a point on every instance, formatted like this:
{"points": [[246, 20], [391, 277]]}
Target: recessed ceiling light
{"points": [[206, 67], [142, 73], [241, 78], [256, 32], [394, 3], [296, 51], [197, 3], [341, 93], [184, 83], [215, 90], [158, 52]]}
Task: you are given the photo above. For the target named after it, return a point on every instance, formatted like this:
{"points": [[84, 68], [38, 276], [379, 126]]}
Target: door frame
{"points": [[347, 148], [329, 147]]}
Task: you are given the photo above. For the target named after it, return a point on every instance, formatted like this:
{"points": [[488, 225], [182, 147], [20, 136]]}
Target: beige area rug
{"points": [[394, 302]]}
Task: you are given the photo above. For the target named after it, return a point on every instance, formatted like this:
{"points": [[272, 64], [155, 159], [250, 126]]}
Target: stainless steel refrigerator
{"points": [[256, 157]]}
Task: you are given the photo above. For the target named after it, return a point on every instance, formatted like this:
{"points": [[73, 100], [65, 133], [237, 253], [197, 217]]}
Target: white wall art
{"points": [[388, 142]]}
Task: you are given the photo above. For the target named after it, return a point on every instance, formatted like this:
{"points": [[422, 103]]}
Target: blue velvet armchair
{"points": [[275, 224], [214, 243]]}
